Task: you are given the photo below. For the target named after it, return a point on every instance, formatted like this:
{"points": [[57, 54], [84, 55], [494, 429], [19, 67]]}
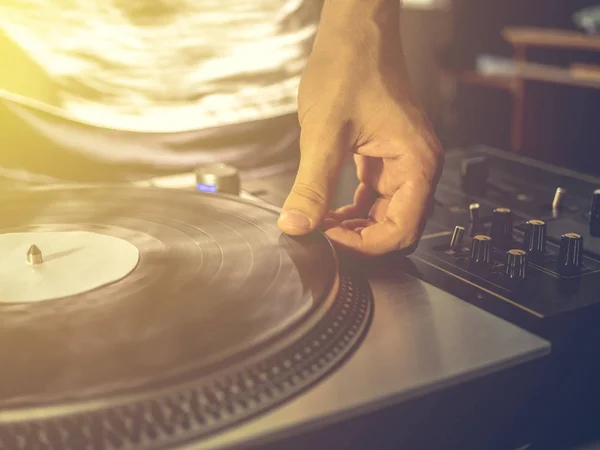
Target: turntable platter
{"points": [[221, 318]]}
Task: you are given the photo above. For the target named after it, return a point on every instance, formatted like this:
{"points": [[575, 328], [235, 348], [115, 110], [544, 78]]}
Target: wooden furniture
{"points": [[519, 79], [523, 38]]}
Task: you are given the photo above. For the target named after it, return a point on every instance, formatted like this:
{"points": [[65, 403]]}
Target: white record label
{"points": [[73, 262]]}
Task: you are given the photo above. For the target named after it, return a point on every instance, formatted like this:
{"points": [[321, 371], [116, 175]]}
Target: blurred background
{"points": [[519, 75]]}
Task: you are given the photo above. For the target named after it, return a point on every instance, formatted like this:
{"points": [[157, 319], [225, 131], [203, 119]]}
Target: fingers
{"points": [[355, 224], [399, 228], [322, 156], [364, 197]]}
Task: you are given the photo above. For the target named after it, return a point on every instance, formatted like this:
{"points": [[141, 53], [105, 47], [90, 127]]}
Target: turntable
{"points": [[146, 318]]}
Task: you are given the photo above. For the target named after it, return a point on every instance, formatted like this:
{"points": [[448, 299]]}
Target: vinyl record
{"points": [[217, 317]]}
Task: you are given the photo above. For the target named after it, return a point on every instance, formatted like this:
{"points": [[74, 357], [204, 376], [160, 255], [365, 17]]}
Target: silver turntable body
{"points": [[421, 340]]}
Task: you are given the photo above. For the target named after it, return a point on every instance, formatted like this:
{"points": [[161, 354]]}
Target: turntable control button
{"points": [[595, 214], [570, 255], [218, 178], [516, 264]]}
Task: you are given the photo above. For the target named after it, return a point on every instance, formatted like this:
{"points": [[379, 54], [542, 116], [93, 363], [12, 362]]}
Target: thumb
{"points": [[310, 197]]}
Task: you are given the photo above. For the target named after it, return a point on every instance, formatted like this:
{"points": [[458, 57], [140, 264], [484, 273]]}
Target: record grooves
{"points": [[222, 319]]}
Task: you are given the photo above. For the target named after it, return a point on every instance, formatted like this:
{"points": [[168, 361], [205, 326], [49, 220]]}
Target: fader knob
{"points": [[570, 255], [481, 252], [595, 214], [457, 238], [535, 238], [516, 264], [559, 199], [475, 227], [218, 178], [502, 228], [474, 212]]}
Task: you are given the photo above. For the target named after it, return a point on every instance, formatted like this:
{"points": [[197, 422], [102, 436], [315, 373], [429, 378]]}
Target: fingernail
{"points": [[295, 219]]}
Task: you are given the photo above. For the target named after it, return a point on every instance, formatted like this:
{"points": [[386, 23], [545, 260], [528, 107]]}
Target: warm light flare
{"points": [[183, 65]]}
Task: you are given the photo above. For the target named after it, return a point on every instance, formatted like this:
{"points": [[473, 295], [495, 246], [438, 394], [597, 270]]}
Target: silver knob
{"points": [[481, 252], [516, 264], [457, 238], [559, 198], [218, 178]]}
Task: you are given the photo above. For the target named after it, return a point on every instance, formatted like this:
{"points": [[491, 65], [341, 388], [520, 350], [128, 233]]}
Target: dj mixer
{"points": [[521, 239], [524, 235]]}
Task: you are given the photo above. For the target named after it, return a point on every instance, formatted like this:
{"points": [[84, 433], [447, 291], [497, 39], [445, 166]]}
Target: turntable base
{"points": [[421, 341]]}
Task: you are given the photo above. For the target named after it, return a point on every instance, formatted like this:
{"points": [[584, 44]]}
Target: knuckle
{"points": [[436, 154], [312, 193], [432, 155], [407, 242], [406, 238], [426, 170], [409, 247], [419, 185], [436, 159]]}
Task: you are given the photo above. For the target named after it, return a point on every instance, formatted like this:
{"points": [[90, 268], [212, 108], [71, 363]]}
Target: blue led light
{"points": [[207, 188]]}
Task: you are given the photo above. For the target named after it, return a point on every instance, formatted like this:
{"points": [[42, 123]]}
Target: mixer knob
{"points": [[534, 241], [502, 228], [474, 209], [481, 252], [218, 178], [475, 226], [595, 214], [570, 255], [457, 238], [474, 173], [559, 198], [516, 264]]}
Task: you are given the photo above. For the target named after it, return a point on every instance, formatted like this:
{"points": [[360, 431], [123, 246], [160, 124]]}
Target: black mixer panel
{"points": [[538, 288], [515, 236]]}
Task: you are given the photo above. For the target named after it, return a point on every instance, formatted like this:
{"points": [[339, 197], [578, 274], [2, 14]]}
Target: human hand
{"points": [[355, 96]]}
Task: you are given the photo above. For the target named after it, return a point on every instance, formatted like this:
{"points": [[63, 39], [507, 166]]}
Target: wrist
{"points": [[344, 12], [354, 27]]}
